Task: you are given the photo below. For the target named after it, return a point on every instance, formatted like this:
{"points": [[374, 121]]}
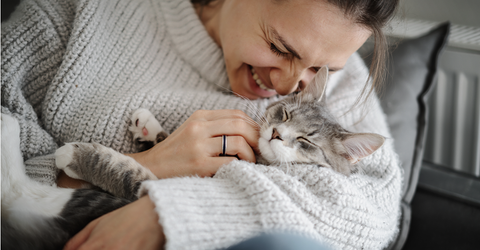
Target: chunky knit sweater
{"points": [[76, 71]]}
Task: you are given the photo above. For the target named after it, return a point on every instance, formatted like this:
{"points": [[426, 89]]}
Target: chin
{"points": [[275, 152]]}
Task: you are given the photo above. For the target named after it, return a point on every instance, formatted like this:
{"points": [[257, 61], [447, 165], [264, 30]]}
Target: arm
{"points": [[134, 226]]}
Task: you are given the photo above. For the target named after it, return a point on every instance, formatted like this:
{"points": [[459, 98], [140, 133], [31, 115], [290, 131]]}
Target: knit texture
{"points": [[77, 70]]}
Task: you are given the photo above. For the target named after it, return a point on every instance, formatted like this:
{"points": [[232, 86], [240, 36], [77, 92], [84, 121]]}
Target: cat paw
{"points": [[144, 126], [64, 158]]}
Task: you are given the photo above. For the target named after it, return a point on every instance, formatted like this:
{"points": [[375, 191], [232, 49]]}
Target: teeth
{"points": [[259, 82]]}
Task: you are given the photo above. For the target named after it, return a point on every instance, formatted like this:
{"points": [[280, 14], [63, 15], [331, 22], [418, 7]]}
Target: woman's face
{"points": [[275, 47]]}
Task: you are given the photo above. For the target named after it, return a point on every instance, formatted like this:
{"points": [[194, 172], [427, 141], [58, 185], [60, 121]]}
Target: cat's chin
{"points": [[273, 151]]}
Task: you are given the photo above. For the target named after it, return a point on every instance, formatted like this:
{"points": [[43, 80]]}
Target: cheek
{"points": [[250, 47], [239, 53], [253, 55], [309, 156], [260, 56]]}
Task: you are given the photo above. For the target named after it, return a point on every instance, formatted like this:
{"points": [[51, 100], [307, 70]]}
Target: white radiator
{"points": [[453, 138]]}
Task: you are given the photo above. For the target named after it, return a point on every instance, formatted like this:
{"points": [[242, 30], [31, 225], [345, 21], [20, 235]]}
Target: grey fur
{"points": [[103, 167], [311, 131]]}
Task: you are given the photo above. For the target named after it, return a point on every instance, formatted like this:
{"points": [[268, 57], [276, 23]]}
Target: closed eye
{"points": [[313, 133], [303, 139], [315, 69], [278, 52], [286, 116]]}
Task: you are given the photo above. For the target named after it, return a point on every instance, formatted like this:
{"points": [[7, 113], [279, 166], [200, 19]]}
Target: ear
{"points": [[360, 145], [316, 88]]}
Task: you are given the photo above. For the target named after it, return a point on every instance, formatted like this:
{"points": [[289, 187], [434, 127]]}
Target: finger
{"points": [[212, 115], [81, 237], [235, 145], [234, 127]]}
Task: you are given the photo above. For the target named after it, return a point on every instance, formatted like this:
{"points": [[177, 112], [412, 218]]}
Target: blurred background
{"points": [[446, 205], [453, 133]]}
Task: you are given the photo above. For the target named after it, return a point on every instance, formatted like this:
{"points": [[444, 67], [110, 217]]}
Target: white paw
{"points": [[63, 157], [144, 125]]}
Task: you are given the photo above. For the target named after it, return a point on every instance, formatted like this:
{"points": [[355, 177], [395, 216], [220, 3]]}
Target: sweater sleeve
{"points": [[33, 45], [243, 199]]}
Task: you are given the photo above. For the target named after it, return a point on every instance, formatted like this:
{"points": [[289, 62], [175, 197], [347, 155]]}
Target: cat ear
{"points": [[316, 88], [360, 145]]}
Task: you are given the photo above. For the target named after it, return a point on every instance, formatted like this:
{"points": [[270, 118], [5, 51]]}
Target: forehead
{"points": [[319, 31]]}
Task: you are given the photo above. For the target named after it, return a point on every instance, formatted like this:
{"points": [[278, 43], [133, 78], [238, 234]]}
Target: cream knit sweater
{"points": [[76, 70]]}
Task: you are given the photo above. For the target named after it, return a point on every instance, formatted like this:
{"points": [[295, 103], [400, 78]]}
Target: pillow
{"points": [[411, 74]]}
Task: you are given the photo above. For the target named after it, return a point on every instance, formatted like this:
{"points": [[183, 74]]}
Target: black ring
{"points": [[224, 145]]}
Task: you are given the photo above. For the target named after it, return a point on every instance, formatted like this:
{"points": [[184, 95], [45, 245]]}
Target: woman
{"points": [[75, 71]]}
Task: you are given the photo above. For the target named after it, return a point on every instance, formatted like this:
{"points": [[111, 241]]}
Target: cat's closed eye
{"points": [[304, 143], [303, 139], [313, 133], [286, 115]]}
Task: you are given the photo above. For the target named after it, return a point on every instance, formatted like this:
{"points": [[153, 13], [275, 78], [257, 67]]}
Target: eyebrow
{"points": [[292, 50]]}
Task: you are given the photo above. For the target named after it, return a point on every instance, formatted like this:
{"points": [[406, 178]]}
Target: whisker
{"points": [[250, 107], [288, 167]]}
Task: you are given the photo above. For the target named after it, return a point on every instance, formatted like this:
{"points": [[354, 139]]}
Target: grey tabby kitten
{"points": [[298, 129]]}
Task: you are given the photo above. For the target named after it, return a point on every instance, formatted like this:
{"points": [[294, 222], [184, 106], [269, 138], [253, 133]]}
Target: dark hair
{"points": [[372, 14]]}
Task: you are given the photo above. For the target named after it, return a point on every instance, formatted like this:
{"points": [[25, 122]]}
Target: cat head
{"points": [[300, 129]]}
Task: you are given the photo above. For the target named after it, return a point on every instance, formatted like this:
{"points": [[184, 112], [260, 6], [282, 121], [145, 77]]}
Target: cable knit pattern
{"points": [[76, 71]]}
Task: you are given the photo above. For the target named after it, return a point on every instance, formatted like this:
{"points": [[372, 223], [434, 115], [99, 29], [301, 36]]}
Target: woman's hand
{"points": [[194, 148], [134, 226], [65, 181]]}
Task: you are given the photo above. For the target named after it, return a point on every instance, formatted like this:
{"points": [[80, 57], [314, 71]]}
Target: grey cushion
{"points": [[411, 75]]}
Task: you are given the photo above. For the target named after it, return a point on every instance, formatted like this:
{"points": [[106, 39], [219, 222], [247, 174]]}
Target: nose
{"points": [[287, 80], [276, 135]]}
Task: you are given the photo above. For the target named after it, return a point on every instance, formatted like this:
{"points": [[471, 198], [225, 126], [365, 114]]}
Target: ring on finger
{"points": [[224, 145]]}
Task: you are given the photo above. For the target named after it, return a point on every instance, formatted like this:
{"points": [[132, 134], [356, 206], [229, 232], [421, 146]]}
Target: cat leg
{"points": [[146, 128], [103, 167], [63, 157]]}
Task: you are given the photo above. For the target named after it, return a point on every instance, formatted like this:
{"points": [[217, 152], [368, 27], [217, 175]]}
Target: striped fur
{"points": [[300, 129]]}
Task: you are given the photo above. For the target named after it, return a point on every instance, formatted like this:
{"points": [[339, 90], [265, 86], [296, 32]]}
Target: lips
{"points": [[259, 81], [257, 86]]}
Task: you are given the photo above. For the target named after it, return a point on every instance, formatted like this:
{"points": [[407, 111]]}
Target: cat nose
{"points": [[276, 135]]}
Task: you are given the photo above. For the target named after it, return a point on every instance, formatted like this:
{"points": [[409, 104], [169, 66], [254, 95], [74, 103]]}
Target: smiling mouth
{"points": [[259, 82]]}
